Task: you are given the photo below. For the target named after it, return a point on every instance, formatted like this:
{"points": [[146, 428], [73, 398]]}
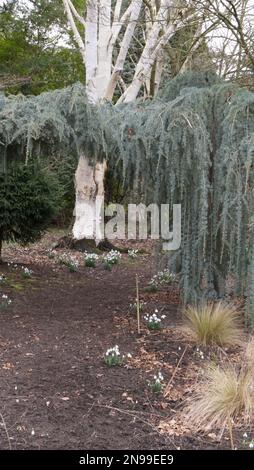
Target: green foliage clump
{"points": [[192, 145], [29, 198], [64, 169], [32, 58]]}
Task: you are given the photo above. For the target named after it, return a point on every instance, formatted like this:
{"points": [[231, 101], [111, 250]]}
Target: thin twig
{"points": [[230, 433], [175, 371], [6, 430], [133, 414], [137, 303]]}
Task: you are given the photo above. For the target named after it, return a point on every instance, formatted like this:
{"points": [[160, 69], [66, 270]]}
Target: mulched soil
{"points": [[56, 390]]}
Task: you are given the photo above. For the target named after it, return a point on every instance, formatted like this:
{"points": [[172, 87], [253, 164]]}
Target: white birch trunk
{"points": [[89, 180], [91, 41], [104, 49], [89, 189], [118, 68], [102, 29], [151, 50], [144, 67]]}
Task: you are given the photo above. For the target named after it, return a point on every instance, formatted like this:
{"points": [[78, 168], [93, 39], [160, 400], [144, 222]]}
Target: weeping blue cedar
{"points": [[193, 144]]}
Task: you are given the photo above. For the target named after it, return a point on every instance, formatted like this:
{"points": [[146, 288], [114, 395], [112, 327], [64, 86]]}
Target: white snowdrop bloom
{"points": [[251, 445], [245, 434], [129, 355], [32, 432]]}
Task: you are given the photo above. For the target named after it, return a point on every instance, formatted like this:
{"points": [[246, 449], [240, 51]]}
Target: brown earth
{"points": [[56, 390]]}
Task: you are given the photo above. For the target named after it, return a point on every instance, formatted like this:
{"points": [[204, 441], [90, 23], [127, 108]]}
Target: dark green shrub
{"points": [[29, 198]]}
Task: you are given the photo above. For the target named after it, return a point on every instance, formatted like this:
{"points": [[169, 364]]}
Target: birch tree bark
{"points": [[109, 32]]}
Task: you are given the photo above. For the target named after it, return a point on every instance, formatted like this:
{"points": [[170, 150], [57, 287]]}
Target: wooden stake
{"points": [[231, 433], [137, 303]]}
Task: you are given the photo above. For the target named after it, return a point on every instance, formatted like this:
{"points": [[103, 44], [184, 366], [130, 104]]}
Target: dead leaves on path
{"points": [[8, 366]]}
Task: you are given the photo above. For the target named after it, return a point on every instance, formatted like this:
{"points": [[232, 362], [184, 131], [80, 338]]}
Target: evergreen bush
{"points": [[29, 198]]}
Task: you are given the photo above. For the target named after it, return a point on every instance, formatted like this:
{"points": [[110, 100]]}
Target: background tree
{"points": [[29, 198], [232, 41], [36, 48]]}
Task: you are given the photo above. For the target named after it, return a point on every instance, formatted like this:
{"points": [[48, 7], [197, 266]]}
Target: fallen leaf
{"points": [[8, 365]]}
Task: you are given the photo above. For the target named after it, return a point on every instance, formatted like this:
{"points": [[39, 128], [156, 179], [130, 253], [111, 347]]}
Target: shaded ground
{"points": [[56, 391]]}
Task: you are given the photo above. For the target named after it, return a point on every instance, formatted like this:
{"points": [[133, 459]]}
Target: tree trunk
{"points": [[89, 181], [102, 29]]}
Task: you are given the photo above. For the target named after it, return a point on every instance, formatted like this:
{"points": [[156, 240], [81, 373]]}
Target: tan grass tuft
{"points": [[214, 323], [224, 394]]}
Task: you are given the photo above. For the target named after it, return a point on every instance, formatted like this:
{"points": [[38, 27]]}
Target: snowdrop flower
{"points": [[158, 382], [132, 253], [91, 256], [251, 445], [113, 356], [154, 320]]}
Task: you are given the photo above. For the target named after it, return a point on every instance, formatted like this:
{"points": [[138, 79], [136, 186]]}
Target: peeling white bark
{"points": [[74, 28], [91, 44], [89, 198], [104, 49], [118, 68], [102, 29], [151, 50]]}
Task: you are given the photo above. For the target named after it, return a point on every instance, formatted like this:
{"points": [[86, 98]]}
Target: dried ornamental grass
{"points": [[214, 323], [224, 394]]}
